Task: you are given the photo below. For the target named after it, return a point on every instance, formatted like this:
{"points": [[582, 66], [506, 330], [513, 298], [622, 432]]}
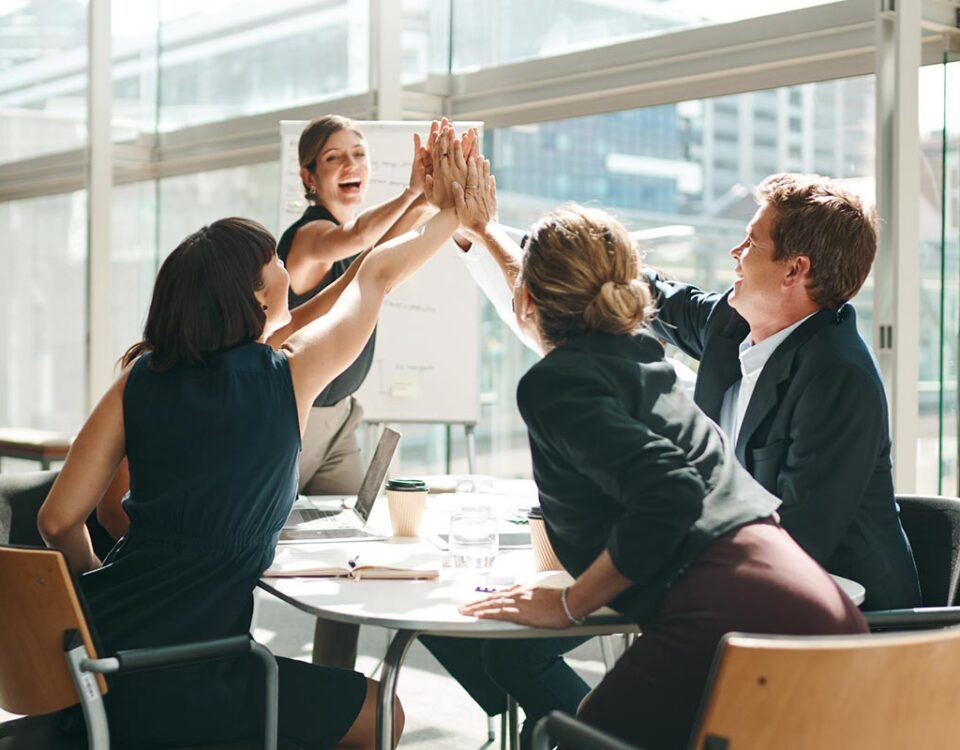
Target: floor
{"points": [[439, 713]]}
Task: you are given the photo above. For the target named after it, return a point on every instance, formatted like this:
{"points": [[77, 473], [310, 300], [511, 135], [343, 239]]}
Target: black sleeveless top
{"points": [[213, 455], [347, 382]]}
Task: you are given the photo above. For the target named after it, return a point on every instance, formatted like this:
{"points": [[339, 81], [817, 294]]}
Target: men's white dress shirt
{"points": [[753, 357]]}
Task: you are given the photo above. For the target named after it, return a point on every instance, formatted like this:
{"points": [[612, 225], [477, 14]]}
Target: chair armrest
{"points": [[920, 618], [573, 733], [167, 656]]}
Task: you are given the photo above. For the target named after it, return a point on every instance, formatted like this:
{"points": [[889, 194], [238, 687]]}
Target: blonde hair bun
{"points": [[618, 307], [580, 269]]}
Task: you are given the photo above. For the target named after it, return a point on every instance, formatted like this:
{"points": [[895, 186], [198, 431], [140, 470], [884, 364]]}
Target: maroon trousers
{"points": [[755, 579]]}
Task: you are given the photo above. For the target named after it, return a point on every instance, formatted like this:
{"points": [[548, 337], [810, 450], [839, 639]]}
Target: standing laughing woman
{"points": [[318, 249]]}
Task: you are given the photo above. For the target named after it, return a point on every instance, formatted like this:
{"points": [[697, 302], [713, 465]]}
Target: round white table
{"points": [[415, 607], [418, 607]]}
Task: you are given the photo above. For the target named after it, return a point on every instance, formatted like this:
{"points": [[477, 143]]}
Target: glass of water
{"points": [[474, 541], [470, 486]]}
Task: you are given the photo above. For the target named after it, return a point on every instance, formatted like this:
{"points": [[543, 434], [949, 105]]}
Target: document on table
{"points": [[368, 561]]}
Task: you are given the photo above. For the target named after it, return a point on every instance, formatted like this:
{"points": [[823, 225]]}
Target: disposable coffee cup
{"points": [[544, 558], [407, 499]]}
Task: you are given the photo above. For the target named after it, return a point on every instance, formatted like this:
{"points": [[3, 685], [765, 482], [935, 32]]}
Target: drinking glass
{"points": [[469, 486], [473, 539]]}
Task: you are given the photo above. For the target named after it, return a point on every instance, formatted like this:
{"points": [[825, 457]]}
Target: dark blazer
{"points": [[815, 434], [624, 461]]}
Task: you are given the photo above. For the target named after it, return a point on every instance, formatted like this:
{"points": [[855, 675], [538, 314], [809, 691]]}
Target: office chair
{"points": [[48, 661], [857, 692], [932, 525], [21, 496], [892, 690]]}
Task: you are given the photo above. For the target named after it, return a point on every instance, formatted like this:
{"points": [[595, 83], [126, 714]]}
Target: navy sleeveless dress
{"points": [[213, 456]]}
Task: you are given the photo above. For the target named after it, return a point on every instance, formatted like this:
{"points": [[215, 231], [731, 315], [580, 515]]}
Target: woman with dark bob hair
{"points": [[643, 498], [210, 416]]}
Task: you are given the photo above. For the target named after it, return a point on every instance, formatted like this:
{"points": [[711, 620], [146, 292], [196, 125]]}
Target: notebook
{"points": [[317, 519], [374, 561]]}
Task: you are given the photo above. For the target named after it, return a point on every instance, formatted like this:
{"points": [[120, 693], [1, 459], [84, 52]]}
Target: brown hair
{"points": [[830, 225], [315, 136], [580, 268], [203, 299]]}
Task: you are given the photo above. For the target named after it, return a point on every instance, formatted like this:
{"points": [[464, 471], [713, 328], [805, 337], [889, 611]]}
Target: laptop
{"points": [[324, 519]]}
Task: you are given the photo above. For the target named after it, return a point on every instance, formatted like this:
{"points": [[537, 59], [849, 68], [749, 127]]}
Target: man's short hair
{"points": [[830, 225]]}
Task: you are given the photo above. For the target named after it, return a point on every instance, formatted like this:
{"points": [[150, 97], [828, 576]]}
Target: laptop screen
{"points": [[376, 472]]}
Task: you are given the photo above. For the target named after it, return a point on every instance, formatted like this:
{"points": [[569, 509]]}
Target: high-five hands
{"points": [[444, 160]]}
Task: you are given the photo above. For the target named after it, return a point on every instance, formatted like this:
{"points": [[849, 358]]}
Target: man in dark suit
{"points": [[785, 373]]}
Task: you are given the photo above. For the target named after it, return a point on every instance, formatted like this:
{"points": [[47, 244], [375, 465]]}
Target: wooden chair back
{"points": [[854, 692], [39, 605]]}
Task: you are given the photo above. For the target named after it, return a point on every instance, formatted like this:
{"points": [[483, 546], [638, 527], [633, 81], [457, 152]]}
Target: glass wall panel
{"points": [[133, 260], [43, 78], [223, 58], [493, 32], [134, 29], [426, 38], [681, 177], [188, 202], [42, 312], [939, 298]]}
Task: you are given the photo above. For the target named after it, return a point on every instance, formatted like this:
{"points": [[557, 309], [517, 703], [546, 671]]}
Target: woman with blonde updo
{"points": [[642, 495]]}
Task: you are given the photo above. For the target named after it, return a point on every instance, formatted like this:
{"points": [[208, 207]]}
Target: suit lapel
{"points": [[720, 366], [777, 369]]}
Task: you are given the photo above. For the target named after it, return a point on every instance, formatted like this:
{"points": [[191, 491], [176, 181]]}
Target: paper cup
{"points": [[544, 557], [406, 499]]}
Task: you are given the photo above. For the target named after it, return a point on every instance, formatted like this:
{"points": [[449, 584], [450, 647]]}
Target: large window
{"points": [[42, 303], [43, 59], [681, 177], [493, 32], [225, 58], [939, 296]]}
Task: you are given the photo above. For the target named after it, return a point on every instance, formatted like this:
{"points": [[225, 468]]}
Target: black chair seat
{"points": [[41, 733], [37, 733]]}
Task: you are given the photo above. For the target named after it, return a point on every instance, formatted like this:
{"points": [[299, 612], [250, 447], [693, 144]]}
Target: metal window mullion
{"points": [[897, 280], [99, 183], [386, 57]]}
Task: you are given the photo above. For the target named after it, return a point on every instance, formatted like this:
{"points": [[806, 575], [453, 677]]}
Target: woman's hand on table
{"points": [[537, 607]]}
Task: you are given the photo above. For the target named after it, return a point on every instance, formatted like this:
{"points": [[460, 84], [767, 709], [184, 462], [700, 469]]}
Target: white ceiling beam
{"points": [[812, 44]]}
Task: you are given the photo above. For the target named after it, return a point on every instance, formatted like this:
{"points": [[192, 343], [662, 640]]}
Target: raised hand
{"points": [[418, 170], [438, 184], [471, 144], [476, 199]]}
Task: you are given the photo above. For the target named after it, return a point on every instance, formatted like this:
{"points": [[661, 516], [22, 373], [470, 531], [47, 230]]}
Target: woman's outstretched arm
{"points": [[323, 242], [90, 466], [324, 347]]}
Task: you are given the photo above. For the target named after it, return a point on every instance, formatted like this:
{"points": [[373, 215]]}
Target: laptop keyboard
{"points": [[315, 534], [310, 514]]}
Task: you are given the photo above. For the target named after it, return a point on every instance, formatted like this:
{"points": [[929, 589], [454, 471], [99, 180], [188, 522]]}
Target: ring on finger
{"points": [[471, 187]]}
